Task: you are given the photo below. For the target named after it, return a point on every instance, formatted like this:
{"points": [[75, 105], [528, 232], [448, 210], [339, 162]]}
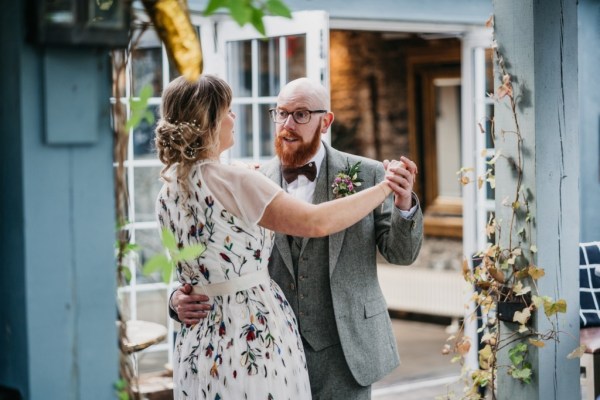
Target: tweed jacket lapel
{"points": [[335, 163], [272, 170]]}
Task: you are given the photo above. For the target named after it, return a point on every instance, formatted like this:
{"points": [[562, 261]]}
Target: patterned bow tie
{"points": [[290, 174]]}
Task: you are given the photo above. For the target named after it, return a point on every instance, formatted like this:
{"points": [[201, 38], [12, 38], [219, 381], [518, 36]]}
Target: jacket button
{"points": [[292, 286], [301, 296]]}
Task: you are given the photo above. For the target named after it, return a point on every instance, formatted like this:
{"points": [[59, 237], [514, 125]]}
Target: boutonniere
{"points": [[346, 181]]}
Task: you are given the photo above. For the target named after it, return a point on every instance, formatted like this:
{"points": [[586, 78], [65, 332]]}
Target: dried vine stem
{"points": [[506, 275], [120, 58]]}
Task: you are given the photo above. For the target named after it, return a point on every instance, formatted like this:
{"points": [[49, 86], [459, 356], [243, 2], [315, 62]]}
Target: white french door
{"points": [[477, 148], [258, 67]]}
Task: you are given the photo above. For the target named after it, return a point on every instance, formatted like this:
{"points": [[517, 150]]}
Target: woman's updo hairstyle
{"points": [[188, 130]]}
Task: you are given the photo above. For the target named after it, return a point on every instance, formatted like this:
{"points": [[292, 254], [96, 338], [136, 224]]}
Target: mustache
{"points": [[285, 133]]}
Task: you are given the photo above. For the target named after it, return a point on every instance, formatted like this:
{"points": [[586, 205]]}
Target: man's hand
{"points": [[190, 307], [401, 178]]}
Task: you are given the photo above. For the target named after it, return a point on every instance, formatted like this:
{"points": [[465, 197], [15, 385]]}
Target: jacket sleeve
{"points": [[398, 239], [172, 312]]}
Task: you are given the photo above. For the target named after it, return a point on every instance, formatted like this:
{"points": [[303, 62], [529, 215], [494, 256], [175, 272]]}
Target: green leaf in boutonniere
{"points": [[346, 181]]}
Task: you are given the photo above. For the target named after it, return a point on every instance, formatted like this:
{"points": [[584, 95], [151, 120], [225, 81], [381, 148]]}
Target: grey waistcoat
{"points": [[311, 300]]}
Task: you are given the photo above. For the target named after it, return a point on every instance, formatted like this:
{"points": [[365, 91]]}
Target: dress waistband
{"points": [[236, 284]]}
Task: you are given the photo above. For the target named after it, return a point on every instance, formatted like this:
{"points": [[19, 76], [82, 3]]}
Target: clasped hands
{"points": [[400, 176]]}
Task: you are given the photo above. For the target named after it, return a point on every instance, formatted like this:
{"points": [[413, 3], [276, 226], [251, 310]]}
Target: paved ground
{"points": [[424, 373]]}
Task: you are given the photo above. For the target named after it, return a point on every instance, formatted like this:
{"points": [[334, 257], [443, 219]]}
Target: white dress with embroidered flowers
{"points": [[249, 346]]}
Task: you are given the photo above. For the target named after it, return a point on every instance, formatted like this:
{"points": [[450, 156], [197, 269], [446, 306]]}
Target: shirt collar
{"points": [[318, 158]]}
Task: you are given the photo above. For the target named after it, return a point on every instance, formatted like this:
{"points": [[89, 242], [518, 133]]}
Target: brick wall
{"points": [[368, 94]]}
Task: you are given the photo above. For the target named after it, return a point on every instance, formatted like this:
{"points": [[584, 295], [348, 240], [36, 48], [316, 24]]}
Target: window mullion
{"points": [[255, 116]]}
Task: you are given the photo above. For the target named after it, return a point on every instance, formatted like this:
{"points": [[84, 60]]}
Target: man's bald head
{"points": [[304, 92]]}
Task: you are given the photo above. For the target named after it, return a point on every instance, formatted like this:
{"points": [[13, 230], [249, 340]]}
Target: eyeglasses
{"points": [[300, 116]]}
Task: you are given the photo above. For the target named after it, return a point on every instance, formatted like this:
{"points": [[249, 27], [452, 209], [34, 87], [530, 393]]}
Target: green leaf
{"points": [[214, 5], [257, 22], [120, 384], [551, 308], [145, 93], [139, 108], [522, 374], [277, 7], [126, 273], [192, 252], [240, 12], [166, 274], [149, 117], [168, 240], [155, 263]]}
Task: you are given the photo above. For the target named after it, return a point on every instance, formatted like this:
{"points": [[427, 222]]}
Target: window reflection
{"points": [[143, 137], [149, 245], [240, 77], [243, 131], [295, 57], [147, 70], [447, 128], [267, 130], [488, 126], [146, 185], [268, 56]]}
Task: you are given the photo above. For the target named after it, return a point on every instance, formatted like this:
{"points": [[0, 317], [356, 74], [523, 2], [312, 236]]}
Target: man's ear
{"points": [[326, 122]]}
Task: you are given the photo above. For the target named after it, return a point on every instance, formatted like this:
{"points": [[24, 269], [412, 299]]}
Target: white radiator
{"points": [[424, 291]]}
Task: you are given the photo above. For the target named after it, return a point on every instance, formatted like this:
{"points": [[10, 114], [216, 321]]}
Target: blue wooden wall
{"points": [[589, 106], [57, 280]]}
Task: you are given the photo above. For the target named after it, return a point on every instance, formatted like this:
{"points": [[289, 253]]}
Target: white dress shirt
{"points": [[302, 188]]}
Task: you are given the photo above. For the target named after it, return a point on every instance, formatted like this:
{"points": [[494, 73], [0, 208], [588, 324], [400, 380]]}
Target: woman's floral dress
{"points": [[249, 346]]}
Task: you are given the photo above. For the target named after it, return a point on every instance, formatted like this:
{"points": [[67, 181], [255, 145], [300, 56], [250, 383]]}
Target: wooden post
{"points": [[538, 41]]}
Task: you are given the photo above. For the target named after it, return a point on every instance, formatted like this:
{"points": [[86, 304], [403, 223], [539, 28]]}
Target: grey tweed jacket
{"points": [[360, 310]]}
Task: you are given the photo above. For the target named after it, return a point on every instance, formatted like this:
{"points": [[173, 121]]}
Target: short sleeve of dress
{"points": [[243, 192]]}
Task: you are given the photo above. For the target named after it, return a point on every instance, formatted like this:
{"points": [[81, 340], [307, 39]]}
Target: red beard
{"points": [[303, 151]]}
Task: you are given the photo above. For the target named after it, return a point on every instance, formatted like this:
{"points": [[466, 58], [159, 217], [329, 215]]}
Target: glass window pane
{"points": [[266, 129], [490, 193], [447, 130], [489, 71], [488, 126], [146, 65], [242, 147], [146, 185], [143, 137], [295, 57], [239, 54], [149, 242], [268, 77]]}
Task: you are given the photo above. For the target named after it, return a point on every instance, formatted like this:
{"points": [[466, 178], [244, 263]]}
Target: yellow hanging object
{"points": [[172, 23]]}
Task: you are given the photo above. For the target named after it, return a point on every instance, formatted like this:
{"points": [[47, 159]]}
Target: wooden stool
{"points": [[590, 363]]}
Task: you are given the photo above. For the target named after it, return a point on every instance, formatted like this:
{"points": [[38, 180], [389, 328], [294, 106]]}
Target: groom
{"points": [[331, 282]]}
